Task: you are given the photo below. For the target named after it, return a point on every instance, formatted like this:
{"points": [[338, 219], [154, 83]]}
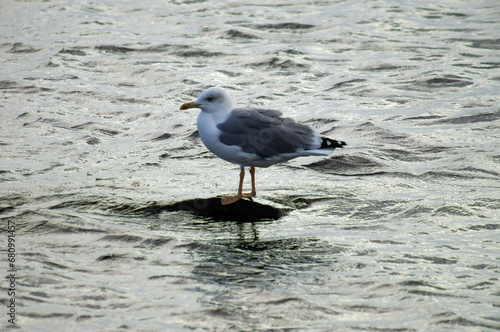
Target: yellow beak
{"points": [[191, 104]]}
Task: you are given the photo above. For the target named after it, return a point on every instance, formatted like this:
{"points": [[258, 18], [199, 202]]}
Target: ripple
{"points": [[284, 26], [278, 63], [480, 117], [236, 34], [346, 84], [23, 48], [347, 165]]}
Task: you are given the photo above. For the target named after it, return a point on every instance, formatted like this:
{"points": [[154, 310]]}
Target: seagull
{"points": [[253, 137]]}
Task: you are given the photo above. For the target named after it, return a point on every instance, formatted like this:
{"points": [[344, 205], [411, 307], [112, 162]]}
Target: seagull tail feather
{"points": [[331, 144]]}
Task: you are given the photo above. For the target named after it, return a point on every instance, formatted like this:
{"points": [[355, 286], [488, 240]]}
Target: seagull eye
{"points": [[210, 98]]}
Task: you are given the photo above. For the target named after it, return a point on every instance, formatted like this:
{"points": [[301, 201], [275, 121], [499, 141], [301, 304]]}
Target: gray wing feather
{"points": [[265, 132]]}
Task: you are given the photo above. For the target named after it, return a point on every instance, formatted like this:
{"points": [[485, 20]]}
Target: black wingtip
{"points": [[328, 143]]}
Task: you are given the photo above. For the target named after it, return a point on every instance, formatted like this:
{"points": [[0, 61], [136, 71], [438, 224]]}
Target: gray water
{"points": [[399, 231]]}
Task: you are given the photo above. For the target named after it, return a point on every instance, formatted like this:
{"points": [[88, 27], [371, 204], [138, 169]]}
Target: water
{"points": [[398, 231]]}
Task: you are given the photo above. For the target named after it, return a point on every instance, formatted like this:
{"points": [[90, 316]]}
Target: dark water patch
{"points": [[154, 242], [479, 65], [50, 226], [325, 126], [130, 100], [450, 210], [419, 210], [398, 261], [374, 210], [433, 294], [11, 86], [38, 296], [488, 203], [480, 117], [385, 67], [434, 260], [111, 257], [52, 265], [242, 210], [419, 283], [115, 49], [23, 48], [278, 63], [431, 84], [435, 149], [321, 122], [369, 308], [49, 316], [85, 125], [284, 301], [424, 117], [198, 54], [298, 202], [482, 286], [284, 26], [264, 260], [387, 242], [346, 84], [162, 48], [489, 44], [84, 94], [162, 137], [118, 49], [290, 51], [444, 82], [412, 153], [9, 202], [83, 203], [229, 73], [379, 134], [467, 173], [96, 22], [347, 165], [484, 266], [488, 227], [477, 172], [108, 132], [236, 34], [444, 174], [72, 51], [91, 140], [225, 313], [4, 209], [401, 155], [22, 115], [364, 215], [121, 238], [460, 321], [51, 64], [53, 78], [454, 14]]}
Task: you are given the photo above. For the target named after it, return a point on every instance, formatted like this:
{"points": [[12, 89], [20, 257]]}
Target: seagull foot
{"points": [[226, 200], [249, 195]]}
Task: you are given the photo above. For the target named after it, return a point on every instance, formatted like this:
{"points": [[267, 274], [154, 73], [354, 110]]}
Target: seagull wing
{"points": [[265, 133]]}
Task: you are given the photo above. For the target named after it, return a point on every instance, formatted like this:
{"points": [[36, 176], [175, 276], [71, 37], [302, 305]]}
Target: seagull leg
{"points": [[226, 200], [254, 192]]}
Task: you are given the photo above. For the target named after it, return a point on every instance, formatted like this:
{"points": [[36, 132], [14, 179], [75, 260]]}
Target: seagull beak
{"points": [[191, 104]]}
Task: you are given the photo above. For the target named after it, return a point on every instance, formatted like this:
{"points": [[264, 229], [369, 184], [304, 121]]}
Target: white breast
{"points": [[209, 134]]}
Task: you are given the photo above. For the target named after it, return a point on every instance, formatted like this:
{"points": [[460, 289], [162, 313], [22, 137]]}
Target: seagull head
{"points": [[212, 100]]}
